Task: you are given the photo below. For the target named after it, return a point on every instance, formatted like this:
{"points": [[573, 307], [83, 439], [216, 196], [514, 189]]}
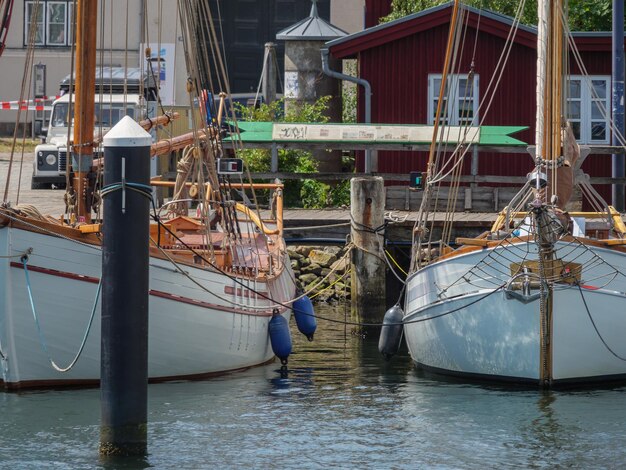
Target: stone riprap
{"points": [[322, 271]]}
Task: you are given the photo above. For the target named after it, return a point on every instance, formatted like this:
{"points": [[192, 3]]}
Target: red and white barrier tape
{"points": [[29, 105], [25, 107]]}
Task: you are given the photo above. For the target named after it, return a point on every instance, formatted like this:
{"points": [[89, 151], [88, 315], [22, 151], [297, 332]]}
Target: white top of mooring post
{"points": [[127, 133]]}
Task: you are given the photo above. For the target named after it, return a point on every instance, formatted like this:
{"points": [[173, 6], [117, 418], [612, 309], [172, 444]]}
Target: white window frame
{"points": [[49, 39], [70, 23], [45, 5], [587, 97], [29, 7], [433, 97]]}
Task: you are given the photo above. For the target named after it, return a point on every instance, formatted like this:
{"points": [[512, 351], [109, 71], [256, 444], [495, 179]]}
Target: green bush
{"points": [[583, 15], [305, 193]]}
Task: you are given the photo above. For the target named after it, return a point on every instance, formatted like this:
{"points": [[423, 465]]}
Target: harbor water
{"points": [[338, 405]]}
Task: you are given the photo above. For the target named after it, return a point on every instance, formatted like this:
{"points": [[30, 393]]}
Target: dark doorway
{"points": [[247, 25]]}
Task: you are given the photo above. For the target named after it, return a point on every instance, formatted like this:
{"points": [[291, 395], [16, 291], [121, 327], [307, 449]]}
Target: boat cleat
{"points": [[520, 287]]}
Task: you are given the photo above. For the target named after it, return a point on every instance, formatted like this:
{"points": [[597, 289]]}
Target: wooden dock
{"points": [[334, 224]]}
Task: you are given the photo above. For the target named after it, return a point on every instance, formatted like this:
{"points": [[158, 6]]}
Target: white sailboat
{"points": [[216, 279], [541, 297]]}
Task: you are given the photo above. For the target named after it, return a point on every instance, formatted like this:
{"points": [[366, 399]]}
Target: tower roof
{"points": [[312, 28]]}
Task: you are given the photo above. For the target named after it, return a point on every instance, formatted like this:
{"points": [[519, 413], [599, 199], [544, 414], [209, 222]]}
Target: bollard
{"points": [[125, 285], [367, 206]]}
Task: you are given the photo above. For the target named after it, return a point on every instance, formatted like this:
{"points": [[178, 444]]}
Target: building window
{"points": [[589, 108], [53, 22], [463, 94]]}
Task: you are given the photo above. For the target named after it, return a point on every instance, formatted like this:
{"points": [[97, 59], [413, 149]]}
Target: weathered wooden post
{"points": [[367, 206], [125, 284], [269, 73]]}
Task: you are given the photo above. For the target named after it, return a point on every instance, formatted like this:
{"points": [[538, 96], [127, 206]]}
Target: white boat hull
{"points": [[192, 332], [484, 333]]}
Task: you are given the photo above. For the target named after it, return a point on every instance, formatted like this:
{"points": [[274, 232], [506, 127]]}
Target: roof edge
{"points": [[429, 11]]}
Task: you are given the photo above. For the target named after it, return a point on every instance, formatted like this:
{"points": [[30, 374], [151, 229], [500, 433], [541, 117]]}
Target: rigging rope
{"points": [[70, 210], [426, 210], [393, 271], [5, 22], [621, 358], [26, 78], [42, 338]]}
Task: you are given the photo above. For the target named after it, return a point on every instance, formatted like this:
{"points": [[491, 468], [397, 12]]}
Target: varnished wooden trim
{"points": [[56, 273], [475, 244], [246, 292], [472, 241], [48, 228]]}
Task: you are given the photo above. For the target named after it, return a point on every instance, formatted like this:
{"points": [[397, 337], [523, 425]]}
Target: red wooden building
{"points": [[403, 60]]}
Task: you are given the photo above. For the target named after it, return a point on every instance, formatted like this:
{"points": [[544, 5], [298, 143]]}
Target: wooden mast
{"points": [[424, 206], [443, 87], [550, 118], [84, 107]]}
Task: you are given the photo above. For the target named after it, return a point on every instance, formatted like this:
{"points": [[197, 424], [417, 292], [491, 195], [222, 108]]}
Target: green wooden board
{"points": [[264, 133], [501, 135]]}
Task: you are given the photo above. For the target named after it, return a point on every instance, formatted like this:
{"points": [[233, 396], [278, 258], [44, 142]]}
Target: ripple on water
{"points": [[338, 405]]}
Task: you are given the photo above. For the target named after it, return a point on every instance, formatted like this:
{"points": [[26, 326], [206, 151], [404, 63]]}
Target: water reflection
{"points": [[124, 463], [338, 404]]}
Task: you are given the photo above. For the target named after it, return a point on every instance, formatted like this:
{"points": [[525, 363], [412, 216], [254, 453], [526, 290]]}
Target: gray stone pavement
{"points": [[48, 201]]}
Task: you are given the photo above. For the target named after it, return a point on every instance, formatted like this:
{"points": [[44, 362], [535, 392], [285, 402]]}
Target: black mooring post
{"points": [[125, 284]]}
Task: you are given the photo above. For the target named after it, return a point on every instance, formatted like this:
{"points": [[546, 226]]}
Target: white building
{"points": [[121, 42]]}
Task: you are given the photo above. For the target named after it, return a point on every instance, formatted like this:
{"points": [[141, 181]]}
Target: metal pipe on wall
{"points": [[368, 97]]}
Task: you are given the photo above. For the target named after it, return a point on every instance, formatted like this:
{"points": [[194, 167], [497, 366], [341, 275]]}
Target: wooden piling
{"points": [[269, 73], [125, 284], [367, 205]]}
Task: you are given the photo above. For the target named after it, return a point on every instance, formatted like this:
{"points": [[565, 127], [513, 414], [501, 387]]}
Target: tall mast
{"points": [[542, 53], [84, 107], [442, 88], [550, 83], [617, 161], [550, 117], [556, 92]]}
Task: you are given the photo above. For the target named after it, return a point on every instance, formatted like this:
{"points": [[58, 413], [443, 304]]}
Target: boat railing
{"points": [[276, 209], [614, 218], [257, 220]]}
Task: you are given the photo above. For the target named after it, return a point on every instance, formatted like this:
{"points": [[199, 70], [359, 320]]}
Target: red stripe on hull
{"points": [[155, 293]]}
